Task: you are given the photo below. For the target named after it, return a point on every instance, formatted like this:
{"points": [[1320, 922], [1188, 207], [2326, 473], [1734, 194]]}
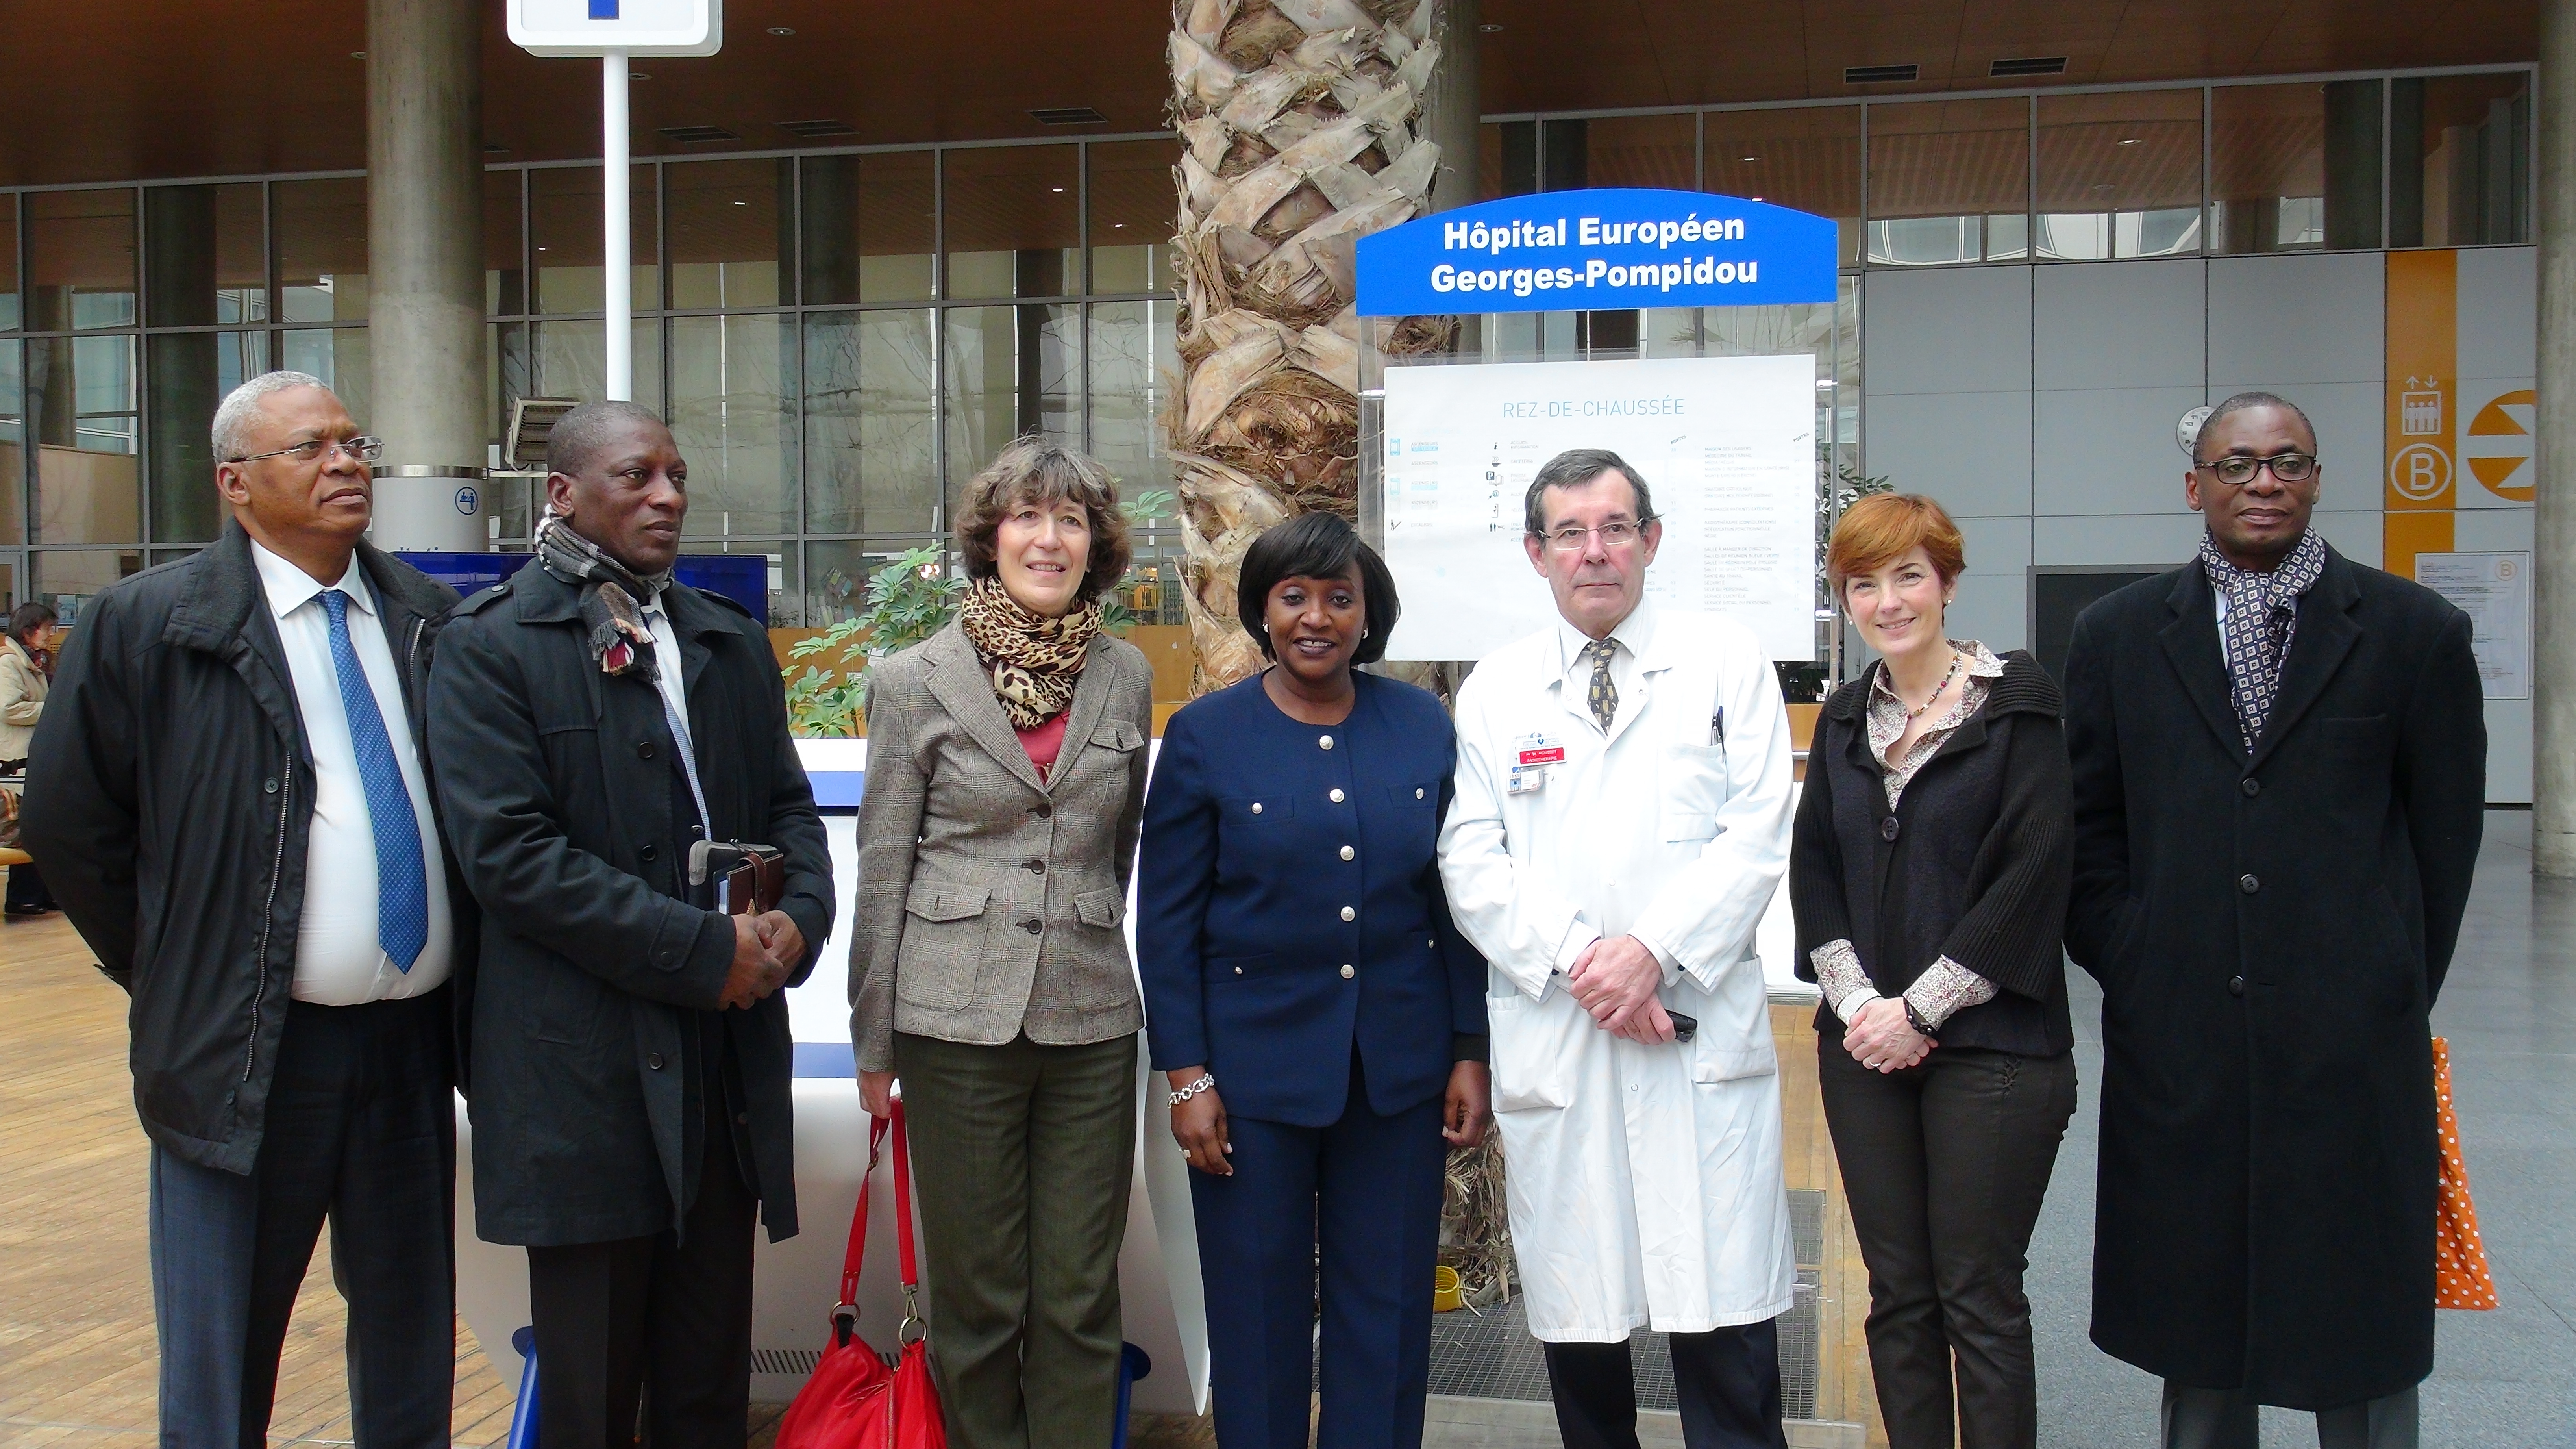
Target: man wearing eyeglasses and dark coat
{"points": [[2280, 773]]}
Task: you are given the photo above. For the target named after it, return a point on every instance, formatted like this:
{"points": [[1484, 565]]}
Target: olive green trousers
{"points": [[1022, 1159]]}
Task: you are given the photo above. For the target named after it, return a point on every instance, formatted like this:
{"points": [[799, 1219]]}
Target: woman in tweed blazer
{"points": [[989, 971]]}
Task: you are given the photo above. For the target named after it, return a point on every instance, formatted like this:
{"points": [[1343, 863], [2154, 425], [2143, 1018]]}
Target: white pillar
{"points": [[424, 246], [2553, 700], [617, 214]]}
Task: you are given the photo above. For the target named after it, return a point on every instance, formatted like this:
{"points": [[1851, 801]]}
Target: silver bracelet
{"points": [[1206, 1080]]}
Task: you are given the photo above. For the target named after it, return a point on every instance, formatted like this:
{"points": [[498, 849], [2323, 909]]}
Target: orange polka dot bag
{"points": [[2460, 1275]]}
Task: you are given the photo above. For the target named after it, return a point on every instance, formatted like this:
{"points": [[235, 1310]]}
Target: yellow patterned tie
{"points": [[1604, 696]]}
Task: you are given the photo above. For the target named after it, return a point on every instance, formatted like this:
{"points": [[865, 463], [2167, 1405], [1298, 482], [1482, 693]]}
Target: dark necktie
{"points": [[1603, 696]]}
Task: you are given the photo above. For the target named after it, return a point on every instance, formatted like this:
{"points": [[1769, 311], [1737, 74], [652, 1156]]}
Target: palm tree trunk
{"points": [[1296, 119]]}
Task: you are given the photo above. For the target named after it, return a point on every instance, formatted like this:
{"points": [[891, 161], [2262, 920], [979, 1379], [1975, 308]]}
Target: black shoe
{"points": [[20, 913]]}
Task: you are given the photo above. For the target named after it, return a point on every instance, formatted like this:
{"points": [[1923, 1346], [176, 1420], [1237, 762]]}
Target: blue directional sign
{"points": [[1563, 251]]}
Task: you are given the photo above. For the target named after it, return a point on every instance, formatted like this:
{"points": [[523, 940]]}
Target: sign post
{"points": [[618, 32]]}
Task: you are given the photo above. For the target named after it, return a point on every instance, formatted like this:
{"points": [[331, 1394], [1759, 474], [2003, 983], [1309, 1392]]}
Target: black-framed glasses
{"points": [[1618, 533], [360, 449], [2237, 470]]}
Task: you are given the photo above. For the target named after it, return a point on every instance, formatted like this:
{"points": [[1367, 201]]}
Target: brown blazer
{"points": [[991, 903]]}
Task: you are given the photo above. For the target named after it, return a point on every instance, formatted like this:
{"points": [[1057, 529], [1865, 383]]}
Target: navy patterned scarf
{"points": [[2262, 614]]}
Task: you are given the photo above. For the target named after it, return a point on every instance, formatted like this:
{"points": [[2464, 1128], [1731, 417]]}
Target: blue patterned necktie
{"points": [[402, 883]]}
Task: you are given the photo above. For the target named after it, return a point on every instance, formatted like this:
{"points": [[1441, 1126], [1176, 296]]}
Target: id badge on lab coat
{"points": [[1533, 755]]}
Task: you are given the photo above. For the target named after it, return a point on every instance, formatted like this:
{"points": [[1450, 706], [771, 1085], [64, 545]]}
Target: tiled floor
{"points": [[76, 1352]]}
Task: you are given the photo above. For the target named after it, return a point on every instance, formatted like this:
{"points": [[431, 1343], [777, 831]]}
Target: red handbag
{"points": [[853, 1401]]}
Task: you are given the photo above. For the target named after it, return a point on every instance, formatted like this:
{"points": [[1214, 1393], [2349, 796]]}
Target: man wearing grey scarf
{"points": [[2279, 760], [590, 722]]}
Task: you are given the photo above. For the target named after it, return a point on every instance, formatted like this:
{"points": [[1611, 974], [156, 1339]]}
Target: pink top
{"points": [[1044, 743]]}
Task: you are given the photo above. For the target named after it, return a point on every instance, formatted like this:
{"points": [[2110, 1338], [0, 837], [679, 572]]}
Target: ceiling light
{"points": [[1118, 224], [1748, 160], [1756, 198], [1067, 116], [2129, 141], [1055, 188], [742, 203], [1489, 29], [357, 55], [637, 75], [782, 30]]}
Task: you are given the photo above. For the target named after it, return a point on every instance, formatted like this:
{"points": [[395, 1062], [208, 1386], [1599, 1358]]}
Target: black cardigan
{"points": [[1975, 863]]}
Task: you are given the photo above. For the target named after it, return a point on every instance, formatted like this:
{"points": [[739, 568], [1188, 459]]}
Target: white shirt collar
{"points": [[290, 588], [1636, 632]]}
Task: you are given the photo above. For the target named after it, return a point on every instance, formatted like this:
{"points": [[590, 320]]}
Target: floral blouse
{"points": [[1946, 987]]}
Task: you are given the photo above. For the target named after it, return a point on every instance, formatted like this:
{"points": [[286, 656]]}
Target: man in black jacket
{"points": [[2280, 773], [590, 721], [229, 799]]}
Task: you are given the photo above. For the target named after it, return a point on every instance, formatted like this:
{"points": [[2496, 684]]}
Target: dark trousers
{"points": [[1367, 1190], [1945, 1165], [1023, 1157], [361, 1133], [659, 1323], [1728, 1382], [27, 890], [2219, 1419]]}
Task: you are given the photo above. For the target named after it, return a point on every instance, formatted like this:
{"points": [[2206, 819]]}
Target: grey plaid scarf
{"points": [[2262, 614], [612, 596]]}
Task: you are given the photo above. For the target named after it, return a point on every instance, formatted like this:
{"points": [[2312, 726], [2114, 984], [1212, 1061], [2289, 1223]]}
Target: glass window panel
{"points": [[1007, 371], [65, 578], [9, 584], [1806, 158], [2294, 167], [2461, 149], [205, 256], [728, 231], [871, 449], [564, 220], [871, 227], [837, 573], [80, 407], [188, 374], [572, 360], [8, 263], [13, 440], [505, 278], [321, 231], [2119, 175], [1502, 164], [1134, 367], [1014, 221], [1657, 151], [338, 356], [733, 412], [1132, 216], [1949, 181], [80, 259]]}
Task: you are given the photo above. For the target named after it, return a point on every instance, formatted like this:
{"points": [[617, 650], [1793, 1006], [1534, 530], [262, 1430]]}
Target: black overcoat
{"points": [[2270, 931], [556, 781]]}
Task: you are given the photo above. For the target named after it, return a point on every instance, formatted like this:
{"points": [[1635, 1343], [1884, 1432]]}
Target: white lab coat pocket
{"points": [[1691, 786], [1734, 1039], [1533, 1050]]}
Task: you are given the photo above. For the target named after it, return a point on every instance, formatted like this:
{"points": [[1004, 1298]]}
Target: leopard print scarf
{"points": [[1035, 661]]}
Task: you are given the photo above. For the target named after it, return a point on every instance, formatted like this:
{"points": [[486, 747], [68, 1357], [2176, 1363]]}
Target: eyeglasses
{"points": [[2237, 470], [1613, 535], [356, 450]]}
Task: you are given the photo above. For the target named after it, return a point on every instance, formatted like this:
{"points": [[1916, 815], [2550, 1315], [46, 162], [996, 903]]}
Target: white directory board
{"points": [[1726, 445], [2494, 590]]}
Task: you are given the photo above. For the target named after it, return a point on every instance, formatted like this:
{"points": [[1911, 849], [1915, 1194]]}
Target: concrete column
{"points": [[2553, 699], [424, 246], [1450, 112]]}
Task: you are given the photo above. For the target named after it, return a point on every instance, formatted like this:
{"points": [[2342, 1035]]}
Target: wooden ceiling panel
{"points": [[123, 89]]}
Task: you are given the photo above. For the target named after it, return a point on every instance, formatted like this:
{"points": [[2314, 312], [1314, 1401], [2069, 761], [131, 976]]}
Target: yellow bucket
{"points": [[1445, 1297]]}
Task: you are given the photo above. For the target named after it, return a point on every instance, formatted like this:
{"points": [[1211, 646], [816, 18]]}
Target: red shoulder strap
{"points": [[903, 1196], [857, 1252]]}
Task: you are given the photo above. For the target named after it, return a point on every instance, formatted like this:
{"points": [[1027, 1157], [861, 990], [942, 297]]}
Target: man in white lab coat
{"points": [[1621, 819]]}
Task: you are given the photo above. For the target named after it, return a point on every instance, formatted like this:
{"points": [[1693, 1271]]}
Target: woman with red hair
{"points": [[1929, 873]]}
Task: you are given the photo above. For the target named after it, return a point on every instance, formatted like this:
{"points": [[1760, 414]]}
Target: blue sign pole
{"points": [[1564, 251]]}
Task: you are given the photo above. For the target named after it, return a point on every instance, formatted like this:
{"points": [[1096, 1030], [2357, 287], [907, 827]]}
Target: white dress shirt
{"points": [[338, 959], [673, 681]]}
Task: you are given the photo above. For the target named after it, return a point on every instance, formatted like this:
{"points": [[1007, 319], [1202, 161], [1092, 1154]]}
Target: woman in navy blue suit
{"points": [[1320, 1020]]}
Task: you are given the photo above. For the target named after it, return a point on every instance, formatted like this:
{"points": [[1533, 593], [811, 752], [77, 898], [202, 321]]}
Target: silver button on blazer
{"points": [[992, 902]]}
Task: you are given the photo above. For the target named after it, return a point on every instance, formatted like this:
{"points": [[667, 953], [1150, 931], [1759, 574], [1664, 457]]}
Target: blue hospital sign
{"points": [[1562, 251], [636, 27]]}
